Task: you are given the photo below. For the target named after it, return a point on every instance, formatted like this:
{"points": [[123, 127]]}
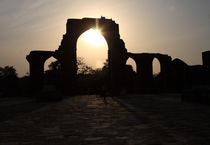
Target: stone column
{"points": [[117, 55], [206, 66], [68, 61], [36, 61], [144, 71]]}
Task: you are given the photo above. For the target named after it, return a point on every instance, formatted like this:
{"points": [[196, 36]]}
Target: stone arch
{"points": [[116, 48], [144, 63], [144, 67]]}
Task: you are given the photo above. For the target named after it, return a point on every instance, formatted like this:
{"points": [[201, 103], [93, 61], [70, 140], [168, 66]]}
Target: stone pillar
{"points": [[36, 61], [164, 76], [165, 63], [144, 72], [117, 55], [68, 61], [206, 59], [206, 66]]}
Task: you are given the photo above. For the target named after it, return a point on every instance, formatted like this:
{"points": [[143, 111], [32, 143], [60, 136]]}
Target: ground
{"points": [[89, 120]]}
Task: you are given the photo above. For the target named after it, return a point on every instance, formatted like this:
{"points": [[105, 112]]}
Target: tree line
{"points": [[89, 80]]}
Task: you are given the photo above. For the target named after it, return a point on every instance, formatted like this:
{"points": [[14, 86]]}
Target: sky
{"points": [[179, 28]]}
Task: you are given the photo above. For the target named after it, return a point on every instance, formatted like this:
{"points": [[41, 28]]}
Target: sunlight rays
{"points": [[94, 37]]}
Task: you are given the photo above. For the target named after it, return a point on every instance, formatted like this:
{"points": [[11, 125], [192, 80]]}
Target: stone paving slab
{"points": [[88, 120]]}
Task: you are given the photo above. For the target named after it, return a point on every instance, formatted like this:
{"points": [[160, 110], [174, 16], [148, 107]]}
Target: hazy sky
{"points": [[180, 28]]}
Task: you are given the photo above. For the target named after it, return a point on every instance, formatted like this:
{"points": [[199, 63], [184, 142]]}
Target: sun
{"points": [[94, 37]]}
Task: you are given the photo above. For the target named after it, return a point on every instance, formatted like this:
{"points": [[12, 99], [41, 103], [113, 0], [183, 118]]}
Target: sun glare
{"points": [[94, 37]]}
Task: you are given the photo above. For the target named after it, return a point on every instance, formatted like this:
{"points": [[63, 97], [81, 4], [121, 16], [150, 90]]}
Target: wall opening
{"points": [[48, 62], [156, 67], [132, 63], [92, 49], [52, 73], [92, 54]]}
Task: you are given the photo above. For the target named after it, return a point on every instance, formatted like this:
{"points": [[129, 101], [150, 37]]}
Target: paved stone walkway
{"points": [[88, 120]]}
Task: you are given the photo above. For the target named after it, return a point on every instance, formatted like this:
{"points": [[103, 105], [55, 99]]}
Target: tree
{"points": [[8, 81], [8, 71], [55, 65], [82, 67], [106, 65]]}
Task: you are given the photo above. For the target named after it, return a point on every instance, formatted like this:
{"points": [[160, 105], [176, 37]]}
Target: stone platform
{"points": [[91, 120]]}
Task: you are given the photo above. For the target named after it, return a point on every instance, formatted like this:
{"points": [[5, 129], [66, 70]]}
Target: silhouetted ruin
{"points": [[175, 75]]}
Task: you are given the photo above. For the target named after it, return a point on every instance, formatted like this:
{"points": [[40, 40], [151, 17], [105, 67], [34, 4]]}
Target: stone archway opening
{"points": [[92, 50], [52, 74], [156, 67], [132, 63], [130, 75], [48, 62], [91, 56]]}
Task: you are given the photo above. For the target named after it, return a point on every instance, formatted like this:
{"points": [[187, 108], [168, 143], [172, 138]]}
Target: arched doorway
{"points": [[130, 76], [92, 49], [48, 62], [52, 73], [117, 53], [156, 68], [92, 54], [132, 63]]}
